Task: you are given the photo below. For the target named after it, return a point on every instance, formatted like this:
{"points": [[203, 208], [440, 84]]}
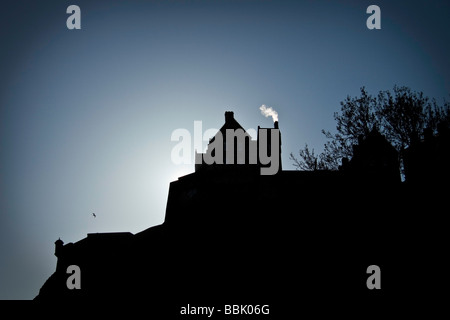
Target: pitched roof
{"points": [[230, 123]]}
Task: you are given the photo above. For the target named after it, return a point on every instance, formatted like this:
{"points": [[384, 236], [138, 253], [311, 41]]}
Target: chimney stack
{"points": [[275, 124], [229, 115]]}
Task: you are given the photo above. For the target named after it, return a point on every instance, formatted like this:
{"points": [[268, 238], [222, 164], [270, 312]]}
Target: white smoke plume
{"points": [[268, 111]]}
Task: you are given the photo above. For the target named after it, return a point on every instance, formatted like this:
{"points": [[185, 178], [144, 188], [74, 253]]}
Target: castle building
{"points": [[232, 231]]}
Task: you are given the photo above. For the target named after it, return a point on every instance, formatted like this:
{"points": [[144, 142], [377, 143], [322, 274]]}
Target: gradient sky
{"points": [[86, 115]]}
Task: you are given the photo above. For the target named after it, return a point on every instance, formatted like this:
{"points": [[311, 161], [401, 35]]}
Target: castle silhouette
{"points": [[231, 234]]}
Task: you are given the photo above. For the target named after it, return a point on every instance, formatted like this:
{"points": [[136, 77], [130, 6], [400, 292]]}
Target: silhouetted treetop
{"points": [[402, 116]]}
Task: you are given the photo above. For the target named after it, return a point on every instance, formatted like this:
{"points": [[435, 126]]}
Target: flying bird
{"points": [[94, 215]]}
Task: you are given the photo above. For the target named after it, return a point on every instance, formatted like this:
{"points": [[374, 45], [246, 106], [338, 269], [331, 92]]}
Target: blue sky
{"points": [[86, 115]]}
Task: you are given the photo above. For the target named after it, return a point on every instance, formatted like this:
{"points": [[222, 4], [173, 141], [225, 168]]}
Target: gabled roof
{"points": [[230, 123]]}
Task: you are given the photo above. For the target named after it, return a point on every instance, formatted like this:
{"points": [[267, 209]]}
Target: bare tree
{"points": [[401, 116], [309, 161]]}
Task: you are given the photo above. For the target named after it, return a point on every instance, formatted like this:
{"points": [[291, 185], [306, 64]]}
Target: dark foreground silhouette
{"points": [[296, 241]]}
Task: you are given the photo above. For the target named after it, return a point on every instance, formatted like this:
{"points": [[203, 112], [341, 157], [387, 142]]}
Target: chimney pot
{"points": [[275, 124]]}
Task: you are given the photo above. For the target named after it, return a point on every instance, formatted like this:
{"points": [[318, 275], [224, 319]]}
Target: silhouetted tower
{"points": [[58, 247]]}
